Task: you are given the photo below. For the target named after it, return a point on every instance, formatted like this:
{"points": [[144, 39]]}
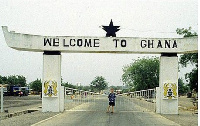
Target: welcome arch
{"points": [[53, 46]]}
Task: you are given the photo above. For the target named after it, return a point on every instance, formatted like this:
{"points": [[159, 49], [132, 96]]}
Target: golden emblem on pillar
{"points": [[170, 91], [50, 88]]}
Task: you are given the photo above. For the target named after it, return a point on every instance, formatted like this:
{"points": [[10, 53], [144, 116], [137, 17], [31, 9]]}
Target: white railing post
{"points": [[1, 98]]}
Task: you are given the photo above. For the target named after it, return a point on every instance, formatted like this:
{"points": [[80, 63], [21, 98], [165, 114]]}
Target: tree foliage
{"points": [[70, 85], [116, 87], [142, 74], [85, 88], [36, 85], [182, 89], [190, 58], [13, 80], [1, 80], [98, 84], [192, 77], [186, 32]]}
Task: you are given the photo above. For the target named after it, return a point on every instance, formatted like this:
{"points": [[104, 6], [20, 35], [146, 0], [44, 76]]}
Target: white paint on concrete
{"points": [[52, 71], [158, 98], [1, 98], [84, 44], [168, 73], [62, 98]]}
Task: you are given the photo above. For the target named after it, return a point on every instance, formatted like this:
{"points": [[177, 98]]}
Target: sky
{"points": [[137, 18]]}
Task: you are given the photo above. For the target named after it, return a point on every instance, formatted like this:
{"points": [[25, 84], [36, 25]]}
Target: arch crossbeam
{"points": [[84, 44]]}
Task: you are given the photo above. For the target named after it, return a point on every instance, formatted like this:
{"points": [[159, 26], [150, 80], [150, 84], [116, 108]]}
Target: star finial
{"points": [[111, 30]]}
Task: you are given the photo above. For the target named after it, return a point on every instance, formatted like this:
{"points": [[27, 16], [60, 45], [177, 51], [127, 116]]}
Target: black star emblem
{"points": [[111, 30]]}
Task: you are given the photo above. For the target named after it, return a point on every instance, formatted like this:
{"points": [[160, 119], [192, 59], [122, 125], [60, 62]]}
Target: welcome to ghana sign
{"points": [[85, 44]]}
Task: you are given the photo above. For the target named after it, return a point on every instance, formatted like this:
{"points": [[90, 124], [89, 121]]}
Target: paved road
{"points": [[93, 113]]}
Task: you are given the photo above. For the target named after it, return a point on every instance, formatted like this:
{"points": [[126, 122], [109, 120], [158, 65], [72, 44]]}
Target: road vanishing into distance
{"points": [[92, 112]]}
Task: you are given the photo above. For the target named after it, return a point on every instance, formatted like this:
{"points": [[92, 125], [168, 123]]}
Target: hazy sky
{"points": [[137, 18]]}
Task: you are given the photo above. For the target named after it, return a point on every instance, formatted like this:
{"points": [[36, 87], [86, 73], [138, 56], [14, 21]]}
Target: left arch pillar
{"points": [[52, 91]]}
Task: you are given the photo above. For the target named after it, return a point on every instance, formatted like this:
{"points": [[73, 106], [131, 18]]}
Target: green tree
{"points": [[21, 80], [1, 79], [69, 85], [125, 90], [98, 84], [182, 89], [186, 32], [86, 88], [142, 74], [116, 87], [190, 58], [36, 85], [4, 80], [12, 80], [15, 80], [193, 79]]}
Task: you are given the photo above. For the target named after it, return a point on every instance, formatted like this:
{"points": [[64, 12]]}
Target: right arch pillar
{"points": [[167, 92]]}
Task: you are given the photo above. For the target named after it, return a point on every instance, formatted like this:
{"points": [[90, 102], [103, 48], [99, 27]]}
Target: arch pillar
{"points": [[167, 93], [52, 91]]}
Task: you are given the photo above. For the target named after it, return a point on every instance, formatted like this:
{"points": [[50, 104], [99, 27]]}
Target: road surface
{"points": [[92, 112]]}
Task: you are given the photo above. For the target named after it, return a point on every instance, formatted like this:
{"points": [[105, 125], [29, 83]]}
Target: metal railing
{"points": [[143, 100]]}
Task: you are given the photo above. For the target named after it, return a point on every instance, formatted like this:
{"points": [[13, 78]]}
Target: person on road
{"points": [[20, 93], [111, 98]]}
